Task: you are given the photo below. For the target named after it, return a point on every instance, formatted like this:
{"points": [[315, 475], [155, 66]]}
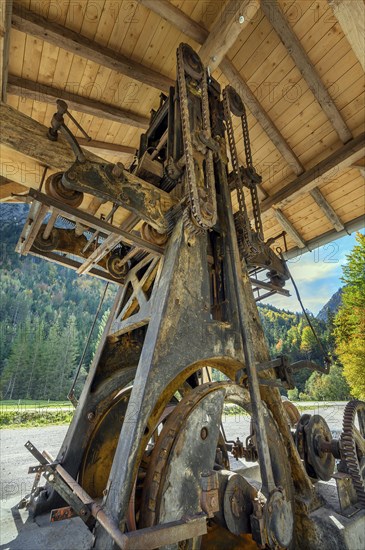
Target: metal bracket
{"points": [[283, 372]]}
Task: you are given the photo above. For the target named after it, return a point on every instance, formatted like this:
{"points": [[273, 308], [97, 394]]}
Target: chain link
{"points": [[196, 202]]}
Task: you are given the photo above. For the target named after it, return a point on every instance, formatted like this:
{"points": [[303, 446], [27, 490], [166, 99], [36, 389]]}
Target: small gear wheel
{"points": [[353, 446]]}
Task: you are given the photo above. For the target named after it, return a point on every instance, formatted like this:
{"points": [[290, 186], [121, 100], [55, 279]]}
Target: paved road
{"points": [[15, 459]]}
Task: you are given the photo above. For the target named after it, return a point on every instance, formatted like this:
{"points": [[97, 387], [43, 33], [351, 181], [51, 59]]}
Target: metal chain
{"points": [[190, 176], [253, 186], [243, 225]]}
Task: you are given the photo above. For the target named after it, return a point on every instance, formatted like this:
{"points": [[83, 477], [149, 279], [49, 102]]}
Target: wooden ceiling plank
{"points": [[350, 227], [289, 228], [261, 116], [342, 158], [350, 15], [6, 7], [94, 144], [275, 15], [327, 209], [40, 92], [185, 24], [225, 31], [178, 18], [36, 25]]}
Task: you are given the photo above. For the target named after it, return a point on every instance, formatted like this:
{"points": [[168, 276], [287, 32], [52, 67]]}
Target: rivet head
{"points": [[241, 19]]}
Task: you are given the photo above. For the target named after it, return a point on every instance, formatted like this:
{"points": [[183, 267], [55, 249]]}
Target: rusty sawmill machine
{"points": [[146, 462]]}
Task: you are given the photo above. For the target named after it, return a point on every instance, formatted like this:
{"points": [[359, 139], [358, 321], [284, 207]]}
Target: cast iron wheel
{"points": [[235, 102], [117, 267], [40, 243], [353, 446], [56, 189], [157, 472], [192, 62]]}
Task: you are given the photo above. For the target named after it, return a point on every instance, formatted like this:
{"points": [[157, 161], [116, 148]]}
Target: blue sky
{"points": [[317, 276]]}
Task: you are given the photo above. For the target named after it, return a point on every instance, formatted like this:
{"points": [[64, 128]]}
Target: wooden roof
{"points": [[299, 67]]}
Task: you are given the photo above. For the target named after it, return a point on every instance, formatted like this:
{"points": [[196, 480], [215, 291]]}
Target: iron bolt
{"points": [[91, 416], [241, 19], [51, 477], [118, 169]]}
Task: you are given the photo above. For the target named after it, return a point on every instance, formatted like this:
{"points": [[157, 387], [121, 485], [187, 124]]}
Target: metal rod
{"points": [[97, 233], [71, 393], [50, 224], [43, 178]]}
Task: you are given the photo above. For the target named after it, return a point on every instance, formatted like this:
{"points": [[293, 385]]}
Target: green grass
{"points": [[30, 413], [34, 418], [24, 404]]}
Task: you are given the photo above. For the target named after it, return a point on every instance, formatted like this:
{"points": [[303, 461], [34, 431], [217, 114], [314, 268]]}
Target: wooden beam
{"points": [[355, 225], [177, 18], [6, 7], [24, 134], [261, 116], [350, 15], [321, 172], [225, 31], [326, 209], [278, 20], [189, 27], [39, 92], [8, 188], [106, 146], [31, 23], [289, 228]]}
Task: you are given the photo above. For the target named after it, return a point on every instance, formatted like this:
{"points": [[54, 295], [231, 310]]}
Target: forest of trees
{"points": [[46, 312]]}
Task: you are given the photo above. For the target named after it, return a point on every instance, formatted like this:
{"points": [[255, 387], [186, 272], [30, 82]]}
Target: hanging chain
{"points": [[243, 226]]}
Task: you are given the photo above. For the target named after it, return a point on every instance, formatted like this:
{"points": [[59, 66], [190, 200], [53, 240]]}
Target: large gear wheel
{"points": [[353, 446]]}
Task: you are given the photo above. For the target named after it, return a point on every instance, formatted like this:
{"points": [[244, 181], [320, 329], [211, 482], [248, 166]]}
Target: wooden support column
{"points": [[350, 15], [225, 31], [327, 209], [278, 20], [289, 228], [6, 7], [47, 94], [31, 23]]}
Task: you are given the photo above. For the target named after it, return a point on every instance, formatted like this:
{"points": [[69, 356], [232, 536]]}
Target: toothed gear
{"points": [[190, 225], [353, 446]]}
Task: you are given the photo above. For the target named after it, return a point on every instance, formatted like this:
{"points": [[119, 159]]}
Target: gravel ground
{"points": [[15, 459]]}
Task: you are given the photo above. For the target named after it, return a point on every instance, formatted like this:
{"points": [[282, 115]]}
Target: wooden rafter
{"points": [[278, 20], [5, 25], [289, 228], [326, 209], [225, 31], [62, 37], [177, 18], [331, 166], [261, 116], [351, 17], [355, 225], [189, 27], [106, 146], [47, 94]]}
